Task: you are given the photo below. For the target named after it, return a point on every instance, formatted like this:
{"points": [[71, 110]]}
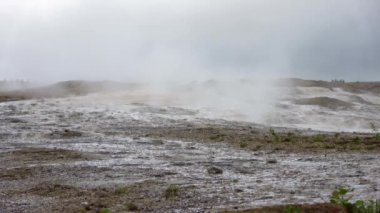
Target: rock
{"points": [[65, 134], [157, 142], [182, 163], [271, 161], [214, 170]]}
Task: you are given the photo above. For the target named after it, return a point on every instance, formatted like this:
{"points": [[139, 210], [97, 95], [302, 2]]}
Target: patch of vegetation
{"points": [[304, 208], [377, 136], [288, 140], [329, 146], [354, 147], [243, 144], [121, 190], [371, 147], [274, 140], [373, 127], [275, 136], [341, 197], [172, 191], [256, 148], [375, 130], [366, 207], [318, 138], [358, 140], [132, 207], [271, 131], [292, 209], [217, 137], [213, 137], [340, 201], [104, 211]]}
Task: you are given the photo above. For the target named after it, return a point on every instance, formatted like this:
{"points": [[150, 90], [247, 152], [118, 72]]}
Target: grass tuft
{"points": [[121, 190], [292, 209], [377, 136], [341, 197], [104, 211], [243, 144], [172, 191], [132, 207]]}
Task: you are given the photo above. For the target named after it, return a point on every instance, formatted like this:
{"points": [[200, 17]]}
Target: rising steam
{"points": [[223, 56]]}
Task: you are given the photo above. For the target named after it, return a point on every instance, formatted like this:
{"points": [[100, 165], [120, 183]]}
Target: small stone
{"points": [[214, 170], [271, 161], [158, 142]]}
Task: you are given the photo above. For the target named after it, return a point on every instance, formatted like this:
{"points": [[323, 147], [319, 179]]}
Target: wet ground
{"points": [[82, 155]]}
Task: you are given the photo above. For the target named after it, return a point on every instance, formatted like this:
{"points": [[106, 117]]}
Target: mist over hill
{"points": [[320, 105]]}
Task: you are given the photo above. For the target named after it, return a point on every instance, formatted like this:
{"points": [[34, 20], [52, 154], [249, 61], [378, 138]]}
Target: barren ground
{"points": [[71, 155]]}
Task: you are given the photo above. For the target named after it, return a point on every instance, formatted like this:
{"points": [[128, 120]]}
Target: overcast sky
{"points": [[189, 39]]}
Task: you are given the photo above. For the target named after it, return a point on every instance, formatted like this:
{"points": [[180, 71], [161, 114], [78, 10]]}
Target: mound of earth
{"points": [[360, 100], [331, 103], [63, 89], [354, 87]]}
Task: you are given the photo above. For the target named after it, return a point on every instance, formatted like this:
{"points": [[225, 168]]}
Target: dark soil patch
{"points": [[64, 134], [17, 164], [253, 139], [52, 190], [16, 173], [37, 154], [21, 163], [326, 102], [146, 196], [306, 208]]}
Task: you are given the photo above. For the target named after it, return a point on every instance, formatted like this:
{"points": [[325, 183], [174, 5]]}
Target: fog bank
{"points": [[160, 40]]}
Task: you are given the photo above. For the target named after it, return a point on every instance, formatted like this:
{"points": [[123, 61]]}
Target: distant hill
{"points": [[76, 88], [63, 89], [355, 87]]}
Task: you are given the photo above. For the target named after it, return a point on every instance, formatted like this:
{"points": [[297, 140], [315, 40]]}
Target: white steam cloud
{"points": [[188, 39], [218, 56]]}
